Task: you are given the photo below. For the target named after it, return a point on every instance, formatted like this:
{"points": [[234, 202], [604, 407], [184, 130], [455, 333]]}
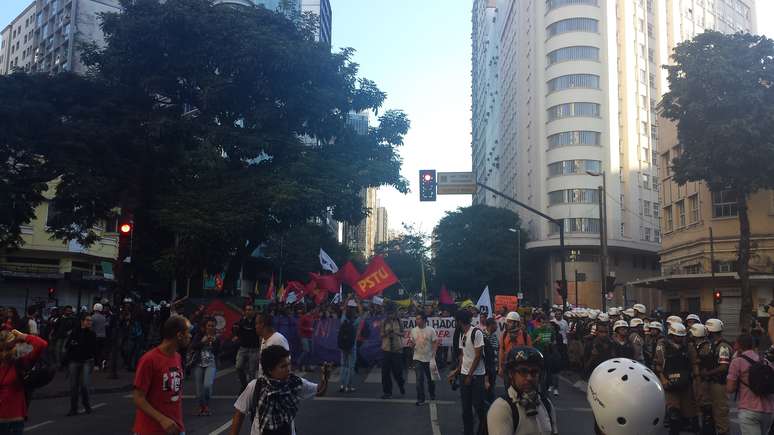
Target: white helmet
{"points": [[626, 398], [613, 311], [635, 322], [674, 319], [677, 329], [604, 318], [569, 314], [646, 327], [593, 314], [629, 312], [513, 315], [714, 325], [693, 317], [657, 325], [620, 324], [698, 330], [98, 307], [640, 308]]}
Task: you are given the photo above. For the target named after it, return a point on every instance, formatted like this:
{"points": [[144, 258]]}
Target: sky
{"points": [[418, 52]]}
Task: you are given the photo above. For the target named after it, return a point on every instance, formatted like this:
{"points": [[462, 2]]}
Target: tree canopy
{"points": [[407, 255]]}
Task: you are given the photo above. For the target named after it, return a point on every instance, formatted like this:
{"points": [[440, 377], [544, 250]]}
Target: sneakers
{"points": [[420, 402], [350, 389], [342, 389], [556, 392]]}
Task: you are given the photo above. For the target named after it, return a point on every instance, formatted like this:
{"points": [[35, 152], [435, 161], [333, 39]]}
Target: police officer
{"points": [[522, 410], [636, 338], [691, 320], [676, 364], [601, 346], [622, 347], [640, 311], [714, 373], [698, 337], [656, 328]]}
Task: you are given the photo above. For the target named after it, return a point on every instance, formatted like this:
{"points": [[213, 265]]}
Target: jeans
{"points": [[348, 366], [247, 364], [392, 367], [205, 378], [59, 351], [754, 422], [79, 374], [306, 352], [12, 428], [472, 400], [491, 374], [423, 371]]}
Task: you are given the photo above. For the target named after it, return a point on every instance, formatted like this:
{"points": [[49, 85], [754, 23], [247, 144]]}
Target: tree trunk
{"points": [[235, 265], [743, 261]]}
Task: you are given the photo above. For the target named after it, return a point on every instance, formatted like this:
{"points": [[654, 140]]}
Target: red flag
{"points": [[445, 298], [312, 289], [376, 278], [296, 286], [348, 274], [270, 292], [330, 283], [225, 317]]}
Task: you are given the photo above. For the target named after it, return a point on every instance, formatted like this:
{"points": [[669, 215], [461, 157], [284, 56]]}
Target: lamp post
{"points": [[602, 232], [518, 253]]}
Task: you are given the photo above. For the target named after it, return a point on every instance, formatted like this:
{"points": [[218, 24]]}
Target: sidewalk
{"points": [[100, 384]]}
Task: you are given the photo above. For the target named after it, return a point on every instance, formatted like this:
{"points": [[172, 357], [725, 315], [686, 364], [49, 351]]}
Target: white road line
{"points": [[222, 428], [384, 401], [33, 427], [224, 372], [99, 405], [434, 419]]}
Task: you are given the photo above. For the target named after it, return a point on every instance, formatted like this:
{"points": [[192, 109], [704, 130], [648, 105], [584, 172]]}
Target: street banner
{"points": [[444, 329], [484, 303], [376, 279], [511, 303], [225, 317], [327, 262]]}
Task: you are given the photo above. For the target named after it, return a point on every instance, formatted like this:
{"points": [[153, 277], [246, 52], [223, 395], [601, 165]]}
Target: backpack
{"points": [[284, 430], [677, 368], [346, 338], [761, 377], [515, 412]]}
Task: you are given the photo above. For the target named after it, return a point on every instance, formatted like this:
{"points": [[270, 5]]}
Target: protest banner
{"points": [[225, 317], [511, 303]]}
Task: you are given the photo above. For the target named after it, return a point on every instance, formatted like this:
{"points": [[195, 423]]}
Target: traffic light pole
{"points": [[558, 222]]}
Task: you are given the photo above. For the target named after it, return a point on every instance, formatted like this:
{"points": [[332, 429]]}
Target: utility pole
{"points": [[602, 233], [712, 268]]}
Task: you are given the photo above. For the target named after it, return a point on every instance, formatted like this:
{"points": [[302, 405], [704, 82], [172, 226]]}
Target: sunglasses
{"points": [[524, 371]]}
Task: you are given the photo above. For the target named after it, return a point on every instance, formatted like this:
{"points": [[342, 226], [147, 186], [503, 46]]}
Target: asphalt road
{"points": [[361, 412]]}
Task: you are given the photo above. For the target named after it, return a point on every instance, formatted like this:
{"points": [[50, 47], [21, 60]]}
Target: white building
{"points": [[562, 88]]}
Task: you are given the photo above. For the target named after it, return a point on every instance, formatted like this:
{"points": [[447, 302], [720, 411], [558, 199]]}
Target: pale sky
{"points": [[419, 53]]}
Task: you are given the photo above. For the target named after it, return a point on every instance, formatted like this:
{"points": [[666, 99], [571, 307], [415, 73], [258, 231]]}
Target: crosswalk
{"points": [[374, 376]]}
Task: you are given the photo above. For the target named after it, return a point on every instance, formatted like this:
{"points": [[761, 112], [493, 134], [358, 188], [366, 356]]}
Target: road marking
{"points": [[434, 419], [224, 372], [222, 428], [33, 427], [99, 405], [370, 400]]}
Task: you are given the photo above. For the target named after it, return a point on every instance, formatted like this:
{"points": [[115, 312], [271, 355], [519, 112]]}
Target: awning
{"points": [[698, 280]]}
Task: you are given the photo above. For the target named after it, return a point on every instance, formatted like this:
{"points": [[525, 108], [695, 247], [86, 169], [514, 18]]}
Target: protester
{"points": [[392, 365], [81, 351], [30, 324], [425, 343], [514, 336], [306, 333], [269, 336], [347, 342], [472, 374], [523, 410], [205, 351], [491, 358], [62, 328], [272, 399], [713, 370], [13, 412], [756, 413], [249, 345], [158, 382], [99, 326]]}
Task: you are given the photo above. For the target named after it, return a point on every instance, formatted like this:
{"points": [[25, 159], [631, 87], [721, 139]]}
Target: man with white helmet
{"points": [[522, 410], [601, 346], [714, 369], [637, 339], [622, 347], [99, 326], [640, 311], [673, 319], [628, 314], [614, 314], [691, 320], [625, 398], [676, 364], [655, 328], [698, 338], [514, 336]]}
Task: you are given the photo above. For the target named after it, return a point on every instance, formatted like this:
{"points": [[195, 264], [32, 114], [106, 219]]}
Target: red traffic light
{"points": [[717, 296], [428, 177], [125, 228], [51, 292]]}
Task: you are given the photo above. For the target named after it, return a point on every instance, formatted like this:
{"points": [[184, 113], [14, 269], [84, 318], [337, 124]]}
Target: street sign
{"points": [[520, 295], [456, 183]]}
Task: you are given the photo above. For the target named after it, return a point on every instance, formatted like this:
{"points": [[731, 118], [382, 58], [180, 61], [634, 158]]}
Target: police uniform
{"points": [[638, 343], [719, 355], [680, 401], [602, 349], [704, 352]]}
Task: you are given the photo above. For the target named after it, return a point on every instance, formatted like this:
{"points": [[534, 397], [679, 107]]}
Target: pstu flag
{"points": [[327, 262]]}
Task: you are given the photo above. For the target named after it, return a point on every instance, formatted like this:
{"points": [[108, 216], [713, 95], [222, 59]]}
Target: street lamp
{"points": [[602, 232], [518, 252]]}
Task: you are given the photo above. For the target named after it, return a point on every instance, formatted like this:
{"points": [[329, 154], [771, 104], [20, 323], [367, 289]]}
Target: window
{"points": [[573, 196], [724, 204], [693, 207], [569, 138], [52, 214], [643, 76], [570, 110], [586, 81], [646, 181], [578, 225], [680, 213], [572, 25], [656, 209], [656, 235], [646, 234], [668, 219], [646, 206], [553, 4], [579, 52], [643, 128], [655, 183], [569, 167]]}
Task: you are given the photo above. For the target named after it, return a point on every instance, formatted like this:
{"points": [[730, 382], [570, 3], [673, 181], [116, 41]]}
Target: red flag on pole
{"points": [[329, 283], [270, 291], [296, 286], [348, 274], [445, 298], [376, 278]]}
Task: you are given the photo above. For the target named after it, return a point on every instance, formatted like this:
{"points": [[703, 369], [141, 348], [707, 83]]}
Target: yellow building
{"points": [[43, 263]]}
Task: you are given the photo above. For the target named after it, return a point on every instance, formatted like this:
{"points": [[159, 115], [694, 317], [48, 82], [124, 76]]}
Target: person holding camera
{"points": [[472, 372], [523, 410]]}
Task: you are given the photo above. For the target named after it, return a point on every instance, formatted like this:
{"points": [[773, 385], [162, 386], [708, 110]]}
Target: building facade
{"points": [[382, 226]]}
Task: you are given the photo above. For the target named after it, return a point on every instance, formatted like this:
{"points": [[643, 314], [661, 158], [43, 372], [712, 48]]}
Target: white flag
{"points": [[484, 303], [292, 298], [336, 299], [327, 262]]}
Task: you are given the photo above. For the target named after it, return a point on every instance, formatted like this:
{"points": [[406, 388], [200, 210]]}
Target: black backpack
{"points": [[761, 377], [677, 368], [346, 338]]}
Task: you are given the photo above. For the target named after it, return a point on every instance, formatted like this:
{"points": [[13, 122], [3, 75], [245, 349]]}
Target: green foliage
{"points": [[296, 252], [474, 247], [406, 255]]}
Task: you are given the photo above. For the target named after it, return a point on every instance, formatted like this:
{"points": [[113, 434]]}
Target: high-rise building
{"points": [[322, 9], [565, 93], [382, 226], [361, 237], [46, 36]]}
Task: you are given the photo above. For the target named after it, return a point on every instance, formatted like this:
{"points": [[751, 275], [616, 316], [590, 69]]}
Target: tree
{"points": [[215, 128], [722, 100], [474, 247], [407, 255], [296, 252]]}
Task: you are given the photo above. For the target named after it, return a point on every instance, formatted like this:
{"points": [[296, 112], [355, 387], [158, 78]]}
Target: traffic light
{"points": [[560, 289], [717, 296], [126, 228], [51, 293], [427, 185]]}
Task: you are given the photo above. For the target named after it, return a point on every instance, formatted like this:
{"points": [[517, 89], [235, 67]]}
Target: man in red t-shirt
{"points": [[306, 332], [158, 383]]}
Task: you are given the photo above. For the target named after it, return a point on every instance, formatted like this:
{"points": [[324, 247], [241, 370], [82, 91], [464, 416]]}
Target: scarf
{"points": [[277, 401]]}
